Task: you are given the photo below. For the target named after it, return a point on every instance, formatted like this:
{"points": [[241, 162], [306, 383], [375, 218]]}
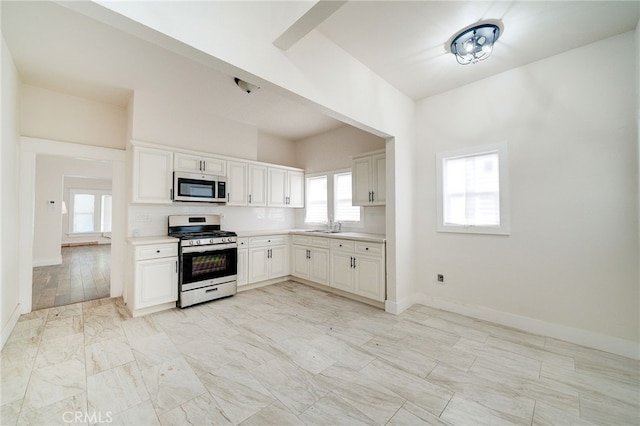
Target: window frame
{"points": [[504, 228]]}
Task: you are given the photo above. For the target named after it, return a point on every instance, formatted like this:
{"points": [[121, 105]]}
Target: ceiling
{"points": [[403, 42]]}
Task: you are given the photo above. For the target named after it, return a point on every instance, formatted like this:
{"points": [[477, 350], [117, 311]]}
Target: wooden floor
{"points": [[85, 274], [288, 354]]}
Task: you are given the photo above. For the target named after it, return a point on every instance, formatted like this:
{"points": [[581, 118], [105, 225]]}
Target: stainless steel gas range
{"points": [[208, 259]]}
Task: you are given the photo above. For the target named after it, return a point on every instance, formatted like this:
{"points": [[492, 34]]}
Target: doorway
{"points": [[72, 234], [31, 248]]}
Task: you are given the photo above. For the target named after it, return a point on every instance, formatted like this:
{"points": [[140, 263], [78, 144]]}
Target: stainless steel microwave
{"points": [[201, 188]]}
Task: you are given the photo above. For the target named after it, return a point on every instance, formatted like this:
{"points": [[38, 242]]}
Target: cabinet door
{"points": [[361, 189], [379, 179], [243, 267], [214, 166], [258, 265], [257, 185], [300, 265], [369, 280], [278, 262], [277, 187], [319, 266], [152, 175], [342, 271], [237, 184], [156, 282], [296, 188], [187, 163]]}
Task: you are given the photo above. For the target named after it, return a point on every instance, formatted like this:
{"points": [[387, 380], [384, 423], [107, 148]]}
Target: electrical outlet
{"points": [[440, 279]]}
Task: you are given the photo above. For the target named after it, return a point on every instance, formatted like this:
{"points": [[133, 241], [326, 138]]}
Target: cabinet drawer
{"points": [[269, 240], [156, 251], [302, 240], [320, 242], [370, 249], [342, 245], [243, 242]]}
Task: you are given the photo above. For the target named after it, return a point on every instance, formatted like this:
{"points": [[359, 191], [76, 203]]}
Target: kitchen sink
{"points": [[322, 231]]}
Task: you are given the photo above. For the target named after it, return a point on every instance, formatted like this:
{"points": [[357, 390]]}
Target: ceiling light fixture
{"points": [[475, 44], [246, 87]]}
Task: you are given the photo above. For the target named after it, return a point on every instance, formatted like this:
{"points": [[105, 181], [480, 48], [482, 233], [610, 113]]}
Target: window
{"points": [[90, 211], [316, 205], [472, 190], [329, 199], [344, 211]]}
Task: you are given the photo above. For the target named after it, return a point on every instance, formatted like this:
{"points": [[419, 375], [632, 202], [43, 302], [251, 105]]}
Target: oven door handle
{"points": [[208, 248]]}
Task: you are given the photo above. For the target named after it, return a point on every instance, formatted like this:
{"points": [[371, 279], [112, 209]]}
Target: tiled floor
{"points": [[85, 274], [290, 354]]}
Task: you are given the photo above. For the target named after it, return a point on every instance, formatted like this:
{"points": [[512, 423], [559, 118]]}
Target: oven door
{"points": [[208, 265]]}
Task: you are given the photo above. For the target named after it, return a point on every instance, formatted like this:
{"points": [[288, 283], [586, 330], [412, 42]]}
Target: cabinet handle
{"points": [[204, 166], [228, 197], [171, 194], [354, 263], [157, 251], [350, 261], [176, 266], [249, 198], [373, 196], [367, 248]]}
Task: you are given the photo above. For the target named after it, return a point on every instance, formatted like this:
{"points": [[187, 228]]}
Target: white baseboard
{"points": [[590, 339], [47, 261], [397, 308], [8, 328]]}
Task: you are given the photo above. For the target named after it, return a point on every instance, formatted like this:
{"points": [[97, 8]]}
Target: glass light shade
{"points": [[475, 44]]}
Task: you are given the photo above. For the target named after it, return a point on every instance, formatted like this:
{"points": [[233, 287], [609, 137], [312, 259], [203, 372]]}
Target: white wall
{"points": [[276, 150], [333, 150], [173, 119], [48, 114], [9, 213], [570, 265]]}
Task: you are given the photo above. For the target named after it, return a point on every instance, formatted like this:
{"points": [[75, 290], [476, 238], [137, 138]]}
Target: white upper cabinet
{"points": [[199, 164], [369, 180], [152, 175], [286, 188], [295, 180], [237, 194], [257, 188]]}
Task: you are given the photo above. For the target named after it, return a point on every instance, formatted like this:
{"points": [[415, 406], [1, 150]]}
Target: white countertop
{"points": [[360, 236]]}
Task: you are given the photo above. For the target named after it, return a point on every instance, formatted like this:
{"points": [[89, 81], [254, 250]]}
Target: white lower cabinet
{"points": [[268, 257], [155, 276], [358, 267], [310, 259]]}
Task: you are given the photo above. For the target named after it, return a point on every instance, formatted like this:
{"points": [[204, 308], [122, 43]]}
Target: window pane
{"points": [[471, 190], [316, 206], [83, 205], [345, 211]]}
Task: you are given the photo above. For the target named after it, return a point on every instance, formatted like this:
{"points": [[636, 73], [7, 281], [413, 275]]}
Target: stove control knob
{"points": [[190, 243], [198, 242], [225, 240], [211, 241]]}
